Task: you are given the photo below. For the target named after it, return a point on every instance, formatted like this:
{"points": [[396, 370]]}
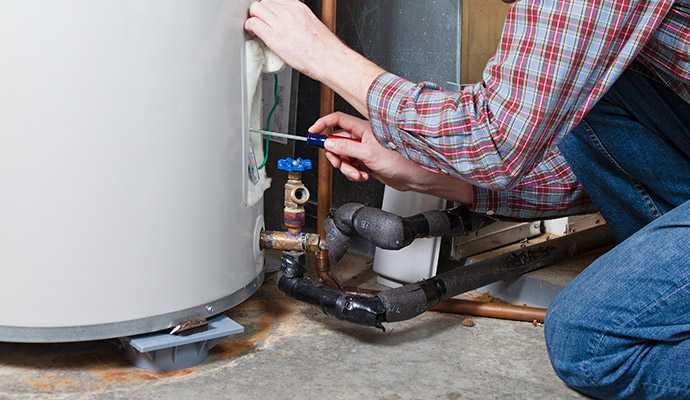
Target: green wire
{"points": [[270, 115]]}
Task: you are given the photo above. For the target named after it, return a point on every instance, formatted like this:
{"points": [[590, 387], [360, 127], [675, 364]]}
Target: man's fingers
{"points": [[351, 169], [259, 20], [345, 121], [352, 173], [327, 121], [257, 27], [349, 148], [348, 122], [260, 10], [334, 159], [363, 170]]}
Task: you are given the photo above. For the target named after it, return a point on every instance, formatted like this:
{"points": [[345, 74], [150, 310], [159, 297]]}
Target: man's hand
{"points": [[358, 161], [292, 31]]}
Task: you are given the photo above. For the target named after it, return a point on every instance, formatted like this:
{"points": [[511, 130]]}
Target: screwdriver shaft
{"points": [[277, 134], [311, 139]]}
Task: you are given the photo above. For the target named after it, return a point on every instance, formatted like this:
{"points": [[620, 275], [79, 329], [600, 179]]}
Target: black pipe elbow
{"points": [[388, 231], [380, 228], [360, 310]]}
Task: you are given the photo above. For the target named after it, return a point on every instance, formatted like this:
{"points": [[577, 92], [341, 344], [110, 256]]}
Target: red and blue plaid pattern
{"points": [[556, 59]]}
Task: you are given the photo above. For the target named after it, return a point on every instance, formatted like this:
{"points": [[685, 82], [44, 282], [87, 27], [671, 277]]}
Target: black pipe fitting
{"points": [[292, 264], [356, 309]]}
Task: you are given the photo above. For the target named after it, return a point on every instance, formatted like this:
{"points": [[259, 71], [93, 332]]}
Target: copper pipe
{"points": [[324, 189], [323, 270], [328, 11], [358, 291], [290, 241], [325, 182], [328, 8], [492, 310]]}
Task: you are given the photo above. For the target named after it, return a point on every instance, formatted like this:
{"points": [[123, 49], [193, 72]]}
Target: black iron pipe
{"points": [[413, 299]]}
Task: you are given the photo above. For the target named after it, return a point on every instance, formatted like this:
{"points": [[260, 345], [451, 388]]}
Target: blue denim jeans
{"points": [[621, 329]]}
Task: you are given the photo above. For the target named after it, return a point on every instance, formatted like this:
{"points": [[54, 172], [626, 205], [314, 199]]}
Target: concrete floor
{"points": [[292, 351]]}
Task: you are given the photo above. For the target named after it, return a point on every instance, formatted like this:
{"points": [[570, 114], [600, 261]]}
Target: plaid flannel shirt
{"points": [[555, 60]]}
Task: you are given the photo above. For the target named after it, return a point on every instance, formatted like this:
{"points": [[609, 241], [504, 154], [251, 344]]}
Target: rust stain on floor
{"points": [[100, 368], [129, 375], [89, 367], [52, 381], [258, 316]]}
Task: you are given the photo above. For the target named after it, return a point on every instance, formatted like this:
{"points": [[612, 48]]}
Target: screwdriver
{"points": [[311, 138]]}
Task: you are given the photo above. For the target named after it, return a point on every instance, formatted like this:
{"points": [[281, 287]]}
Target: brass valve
{"points": [[296, 194]]}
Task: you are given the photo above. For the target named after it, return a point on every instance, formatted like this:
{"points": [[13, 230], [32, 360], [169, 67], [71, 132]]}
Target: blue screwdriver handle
{"points": [[319, 140]]}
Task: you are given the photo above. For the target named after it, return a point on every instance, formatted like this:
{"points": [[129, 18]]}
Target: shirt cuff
{"points": [[489, 202], [531, 203], [384, 100]]}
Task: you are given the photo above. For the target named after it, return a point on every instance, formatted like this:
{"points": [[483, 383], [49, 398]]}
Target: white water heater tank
{"points": [[123, 145]]}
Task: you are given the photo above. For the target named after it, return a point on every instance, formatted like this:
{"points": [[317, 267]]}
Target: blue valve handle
{"points": [[300, 165]]}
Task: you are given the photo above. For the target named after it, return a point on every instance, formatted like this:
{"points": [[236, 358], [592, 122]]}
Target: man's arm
{"points": [[360, 160], [294, 33], [543, 193], [555, 60], [550, 190]]}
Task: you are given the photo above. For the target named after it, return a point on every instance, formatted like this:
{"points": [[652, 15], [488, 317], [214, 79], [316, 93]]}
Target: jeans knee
{"points": [[570, 340], [565, 346]]}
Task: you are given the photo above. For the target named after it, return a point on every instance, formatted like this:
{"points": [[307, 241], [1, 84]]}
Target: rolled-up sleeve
{"points": [[554, 61], [550, 190]]}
